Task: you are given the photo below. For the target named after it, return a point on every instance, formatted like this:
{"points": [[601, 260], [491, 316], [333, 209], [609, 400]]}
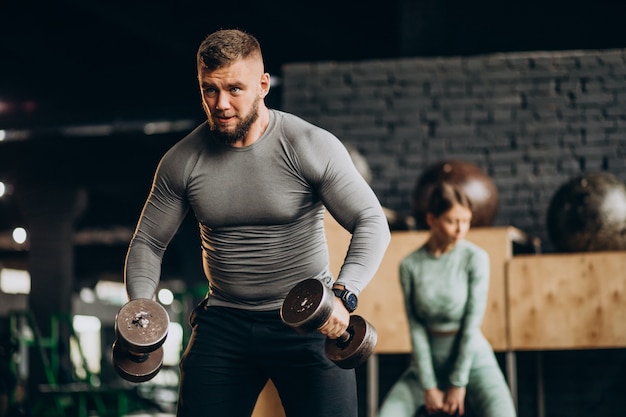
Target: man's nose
{"points": [[222, 102]]}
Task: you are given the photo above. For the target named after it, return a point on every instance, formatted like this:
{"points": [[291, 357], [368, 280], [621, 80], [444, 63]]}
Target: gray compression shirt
{"points": [[260, 213]]}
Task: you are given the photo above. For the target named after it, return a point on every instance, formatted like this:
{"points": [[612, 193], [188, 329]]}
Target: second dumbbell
{"points": [[141, 327]]}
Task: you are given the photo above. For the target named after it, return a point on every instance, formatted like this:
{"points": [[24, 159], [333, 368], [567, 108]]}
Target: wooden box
{"points": [[567, 301]]}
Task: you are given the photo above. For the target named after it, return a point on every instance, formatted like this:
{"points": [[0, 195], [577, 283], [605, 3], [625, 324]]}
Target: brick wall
{"points": [[530, 120]]}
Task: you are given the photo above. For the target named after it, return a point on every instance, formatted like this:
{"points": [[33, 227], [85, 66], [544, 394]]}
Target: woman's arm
{"points": [[418, 332], [478, 288]]}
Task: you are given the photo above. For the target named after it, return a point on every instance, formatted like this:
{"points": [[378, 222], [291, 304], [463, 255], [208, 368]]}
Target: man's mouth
{"points": [[224, 119]]}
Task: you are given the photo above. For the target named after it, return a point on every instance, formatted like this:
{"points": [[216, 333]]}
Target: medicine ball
{"points": [[470, 178], [588, 213]]}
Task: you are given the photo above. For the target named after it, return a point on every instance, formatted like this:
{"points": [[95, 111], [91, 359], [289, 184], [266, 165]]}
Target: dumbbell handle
{"points": [[137, 356], [345, 337]]}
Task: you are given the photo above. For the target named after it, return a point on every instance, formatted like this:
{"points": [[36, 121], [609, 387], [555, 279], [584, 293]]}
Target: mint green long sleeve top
{"points": [[444, 294]]}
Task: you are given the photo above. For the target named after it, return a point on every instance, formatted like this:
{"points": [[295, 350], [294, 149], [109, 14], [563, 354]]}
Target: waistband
{"points": [[433, 332]]}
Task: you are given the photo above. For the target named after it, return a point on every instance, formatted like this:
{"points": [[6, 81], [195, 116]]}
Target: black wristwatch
{"points": [[348, 298]]}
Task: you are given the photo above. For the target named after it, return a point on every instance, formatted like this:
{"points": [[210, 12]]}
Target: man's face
{"points": [[231, 96]]}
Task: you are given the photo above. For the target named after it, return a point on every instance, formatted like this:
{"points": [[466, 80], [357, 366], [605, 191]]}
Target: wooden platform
{"points": [[382, 302], [567, 301]]}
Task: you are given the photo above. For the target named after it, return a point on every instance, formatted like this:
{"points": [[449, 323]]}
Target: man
{"points": [[258, 181]]}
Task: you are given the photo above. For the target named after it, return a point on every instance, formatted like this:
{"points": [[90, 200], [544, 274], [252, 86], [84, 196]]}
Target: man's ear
{"points": [[265, 84]]}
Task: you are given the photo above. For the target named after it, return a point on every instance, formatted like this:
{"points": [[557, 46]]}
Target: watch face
{"points": [[348, 298], [351, 301]]}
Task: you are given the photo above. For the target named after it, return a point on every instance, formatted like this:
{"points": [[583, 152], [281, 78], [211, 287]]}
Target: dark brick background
{"points": [[530, 120]]}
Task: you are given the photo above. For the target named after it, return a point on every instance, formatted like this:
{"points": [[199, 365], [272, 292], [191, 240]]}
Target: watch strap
{"points": [[342, 295]]}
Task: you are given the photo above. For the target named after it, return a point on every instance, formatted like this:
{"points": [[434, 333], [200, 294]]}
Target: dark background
{"points": [[73, 61], [118, 64]]}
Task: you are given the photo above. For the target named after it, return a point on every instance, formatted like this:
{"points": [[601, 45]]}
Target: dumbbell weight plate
{"points": [[307, 306], [136, 368], [142, 325], [357, 349]]}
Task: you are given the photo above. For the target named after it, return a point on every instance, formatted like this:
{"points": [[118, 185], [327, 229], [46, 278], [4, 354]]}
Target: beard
{"points": [[242, 128]]}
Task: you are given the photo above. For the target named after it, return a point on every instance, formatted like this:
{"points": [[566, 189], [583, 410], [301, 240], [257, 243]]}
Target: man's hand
{"points": [[338, 321], [454, 401]]}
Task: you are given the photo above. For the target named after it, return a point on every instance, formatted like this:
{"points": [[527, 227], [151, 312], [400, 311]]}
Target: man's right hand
{"points": [[338, 321]]}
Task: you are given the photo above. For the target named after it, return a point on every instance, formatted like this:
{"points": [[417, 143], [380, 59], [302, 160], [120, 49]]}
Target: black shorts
{"points": [[232, 353]]}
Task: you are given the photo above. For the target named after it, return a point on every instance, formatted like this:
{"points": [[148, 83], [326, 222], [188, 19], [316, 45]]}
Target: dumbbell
{"points": [[308, 306], [141, 327]]}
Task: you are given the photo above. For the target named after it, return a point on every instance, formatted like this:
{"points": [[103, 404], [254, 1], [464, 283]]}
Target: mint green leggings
{"points": [[488, 395]]}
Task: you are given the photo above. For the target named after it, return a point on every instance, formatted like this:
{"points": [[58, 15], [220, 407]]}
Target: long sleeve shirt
{"points": [[444, 294], [260, 213]]}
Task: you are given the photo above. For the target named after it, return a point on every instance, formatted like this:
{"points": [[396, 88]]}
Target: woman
{"points": [[445, 284]]}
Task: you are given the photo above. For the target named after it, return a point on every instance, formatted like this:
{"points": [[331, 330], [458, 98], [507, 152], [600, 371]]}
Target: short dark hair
{"points": [[225, 46], [443, 196]]}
